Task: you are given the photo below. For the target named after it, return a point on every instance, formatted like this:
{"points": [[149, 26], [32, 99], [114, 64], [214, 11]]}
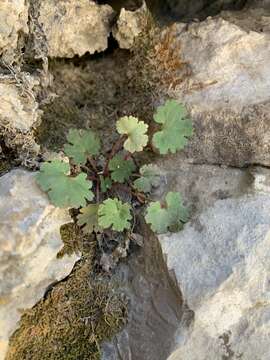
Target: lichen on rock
{"points": [[19, 115], [13, 23], [73, 28]]}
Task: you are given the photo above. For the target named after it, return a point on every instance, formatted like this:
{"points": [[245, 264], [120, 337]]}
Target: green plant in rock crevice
{"points": [[89, 180]]}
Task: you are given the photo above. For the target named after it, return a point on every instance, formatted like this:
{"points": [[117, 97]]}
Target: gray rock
{"points": [[73, 28], [221, 263], [29, 243], [227, 91], [202, 185]]}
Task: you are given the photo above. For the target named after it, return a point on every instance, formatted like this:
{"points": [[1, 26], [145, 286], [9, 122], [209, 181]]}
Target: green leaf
{"points": [[105, 184], [177, 212], [167, 218], [113, 213], [150, 178], [82, 143], [176, 127], [89, 218], [63, 190], [121, 169], [135, 130], [157, 217]]}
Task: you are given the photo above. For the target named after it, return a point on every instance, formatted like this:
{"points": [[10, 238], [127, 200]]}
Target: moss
{"points": [[72, 238], [94, 93], [157, 58], [72, 320]]}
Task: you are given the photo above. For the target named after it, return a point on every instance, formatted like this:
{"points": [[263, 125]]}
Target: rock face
{"points": [[74, 28], [13, 20], [227, 91], [129, 26], [220, 260], [29, 243]]}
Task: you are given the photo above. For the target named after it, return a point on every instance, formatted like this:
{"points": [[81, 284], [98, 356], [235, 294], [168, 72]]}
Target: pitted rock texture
{"points": [[227, 91], [13, 21], [220, 261], [75, 28], [129, 25], [29, 243]]}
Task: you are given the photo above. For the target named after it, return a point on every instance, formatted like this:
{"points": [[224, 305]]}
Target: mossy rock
{"points": [[72, 320]]}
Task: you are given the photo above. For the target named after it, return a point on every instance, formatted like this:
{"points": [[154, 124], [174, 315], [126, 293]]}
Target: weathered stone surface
{"points": [[18, 107], [202, 185], [227, 92], [220, 260], [254, 19], [13, 20], [29, 243], [129, 26], [75, 28]]}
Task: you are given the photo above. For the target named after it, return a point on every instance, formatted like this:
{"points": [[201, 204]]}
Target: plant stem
{"points": [[116, 147], [97, 192], [93, 164]]}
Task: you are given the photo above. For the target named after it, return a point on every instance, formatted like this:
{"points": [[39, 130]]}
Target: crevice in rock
{"points": [[181, 10], [117, 5]]}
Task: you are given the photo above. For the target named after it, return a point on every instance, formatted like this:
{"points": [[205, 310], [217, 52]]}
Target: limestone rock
{"points": [[29, 243], [221, 262], [13, 20], [227, 91], [129, 26], [18, 107], [202, 185], [75, 28]]}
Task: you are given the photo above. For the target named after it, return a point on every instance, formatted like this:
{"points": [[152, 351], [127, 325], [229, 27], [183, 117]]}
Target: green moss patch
{"points": [[72, 320]]}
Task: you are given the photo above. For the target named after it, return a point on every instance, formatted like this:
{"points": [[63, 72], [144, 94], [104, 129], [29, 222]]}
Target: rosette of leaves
{"points": [[176, 128], [64, 190], [106, 179], [171, 216]]}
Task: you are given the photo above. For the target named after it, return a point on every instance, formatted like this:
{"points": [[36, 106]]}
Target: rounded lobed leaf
{"points": [[82, 143], [121, 169], [89, 217], [170, 218], [135, 131], [113, 213], [150, 177], [64, 190], [157, 217], [176, 127]]}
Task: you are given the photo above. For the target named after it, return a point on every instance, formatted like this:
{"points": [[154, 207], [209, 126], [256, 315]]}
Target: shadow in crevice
{"points": [[179, 10]]}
